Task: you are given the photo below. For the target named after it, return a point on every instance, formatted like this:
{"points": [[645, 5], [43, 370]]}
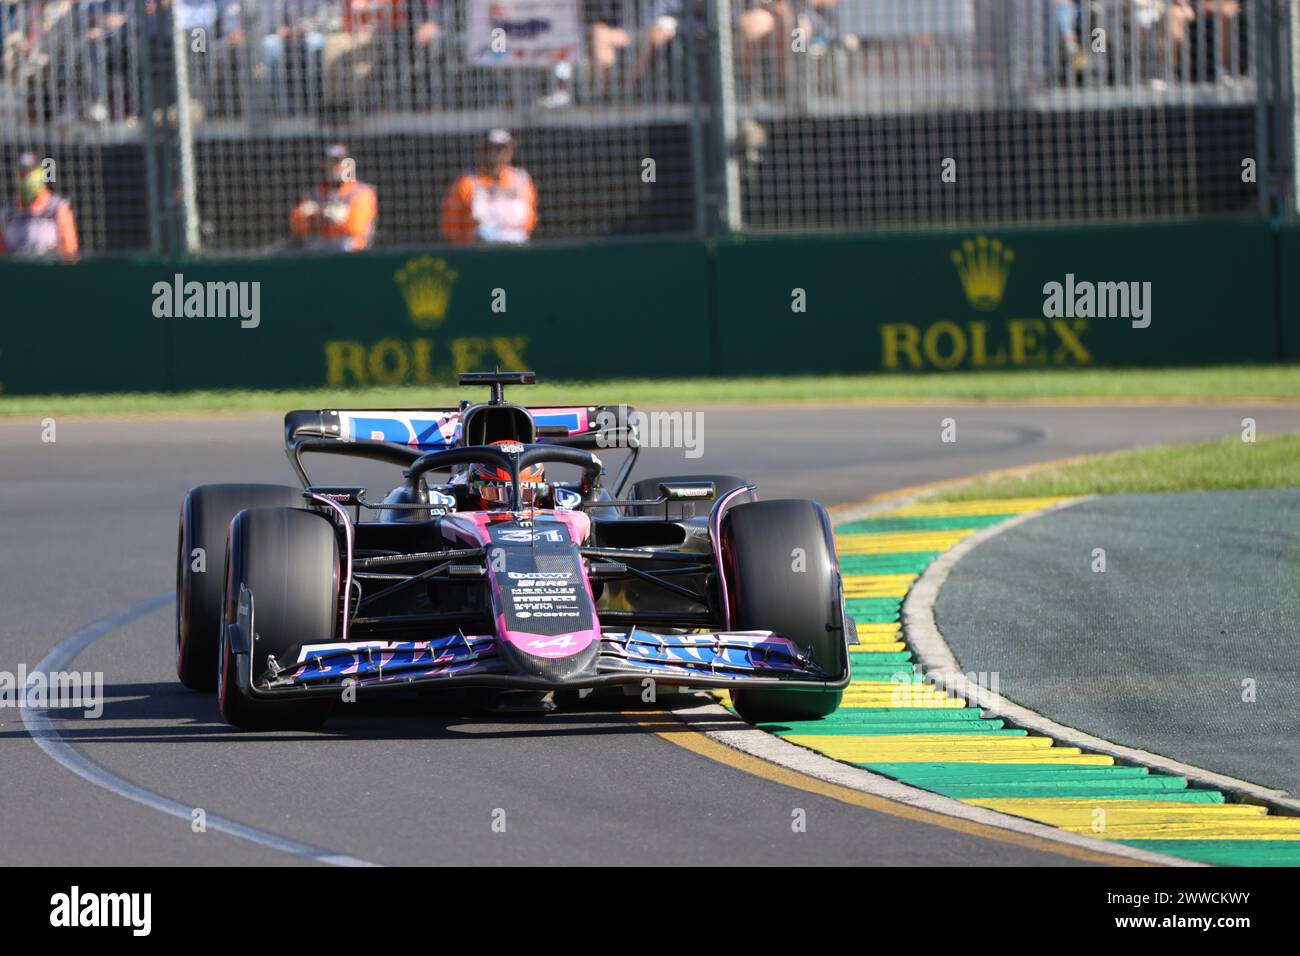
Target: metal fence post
{"points": [[696, 34], [725, 126], [145, 81], [1285, 106], [189, 224]]}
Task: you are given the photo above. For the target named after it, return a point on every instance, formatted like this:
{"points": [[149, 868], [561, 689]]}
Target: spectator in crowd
{"points": [[495, 202], [1178, 21], [1221, 28], [217, 74], [103, 63], [605, 34], [1145, 17], [1217, 20], [375, 37], [771, 24], [339, 213], [665, 21], [39, 222], [1067, 16], [291, 50], [599, 19]]}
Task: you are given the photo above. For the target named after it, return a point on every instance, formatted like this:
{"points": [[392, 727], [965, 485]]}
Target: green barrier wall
{"points": [[1288, 285], [903, 303], [620, 310], [1218, 292]]}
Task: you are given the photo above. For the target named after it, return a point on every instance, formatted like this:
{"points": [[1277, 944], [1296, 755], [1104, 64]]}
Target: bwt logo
{"points": [[76, 909]]}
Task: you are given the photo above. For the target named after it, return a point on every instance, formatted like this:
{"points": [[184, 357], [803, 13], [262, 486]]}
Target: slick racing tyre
{"points": [[283, 564], [200, 589], [781, 574]]}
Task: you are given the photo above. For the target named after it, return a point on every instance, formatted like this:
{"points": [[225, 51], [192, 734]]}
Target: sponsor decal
{"points": [[567, 500], [420, 361], [419, 431], [426, 285], [984, 267], [522, 33]]}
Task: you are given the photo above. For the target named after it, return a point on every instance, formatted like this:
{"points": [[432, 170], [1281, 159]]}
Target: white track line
{"points": [[941, 667], [57, 748]]}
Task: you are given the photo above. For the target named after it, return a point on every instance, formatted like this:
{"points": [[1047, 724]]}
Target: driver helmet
{"points": [[491, 487]]}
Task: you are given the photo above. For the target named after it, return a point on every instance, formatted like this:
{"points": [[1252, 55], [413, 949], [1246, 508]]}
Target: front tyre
{"points": [[282, 564], [200, 589], [782, 576]]}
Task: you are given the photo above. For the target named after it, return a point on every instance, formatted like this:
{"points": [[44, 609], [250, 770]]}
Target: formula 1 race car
{"points": [[478, 574]]}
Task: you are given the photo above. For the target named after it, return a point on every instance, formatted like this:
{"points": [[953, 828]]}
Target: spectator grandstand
{"points": [[191, 125]]}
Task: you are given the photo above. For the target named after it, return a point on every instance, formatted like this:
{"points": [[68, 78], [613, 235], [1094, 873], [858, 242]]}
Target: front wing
{"points": [[717, 659]]}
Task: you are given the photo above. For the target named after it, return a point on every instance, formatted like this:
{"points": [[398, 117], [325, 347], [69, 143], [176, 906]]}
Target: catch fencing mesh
{"points": [[898, 113], [411, 89], [70, 92], [196, 125]]}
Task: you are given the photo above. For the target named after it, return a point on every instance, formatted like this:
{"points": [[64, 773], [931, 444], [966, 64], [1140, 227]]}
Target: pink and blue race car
{"points": [[482, 573]]}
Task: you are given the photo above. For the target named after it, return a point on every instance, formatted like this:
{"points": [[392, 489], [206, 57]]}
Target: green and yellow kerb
{"points": [[897, 723]]}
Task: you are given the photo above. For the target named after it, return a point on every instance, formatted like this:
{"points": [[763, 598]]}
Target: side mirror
{"points": [[688, 490]]}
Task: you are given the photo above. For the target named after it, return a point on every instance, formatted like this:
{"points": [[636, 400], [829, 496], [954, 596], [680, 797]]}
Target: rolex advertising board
{"points": [[350, 321], [999, 299], [1175, 294]]}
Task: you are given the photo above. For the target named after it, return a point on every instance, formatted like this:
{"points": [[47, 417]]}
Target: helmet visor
{"points": [[501, 493]]}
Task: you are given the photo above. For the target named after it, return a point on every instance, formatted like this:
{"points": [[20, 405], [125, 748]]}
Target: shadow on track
{"points": [[162, 712]]}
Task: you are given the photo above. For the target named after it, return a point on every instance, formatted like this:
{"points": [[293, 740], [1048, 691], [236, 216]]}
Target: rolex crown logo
{"points": [[983, 265], [426, 285]]}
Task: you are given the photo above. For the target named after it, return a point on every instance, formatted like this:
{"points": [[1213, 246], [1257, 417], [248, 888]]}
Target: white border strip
{"points": [[46, 736], [941, 667]]}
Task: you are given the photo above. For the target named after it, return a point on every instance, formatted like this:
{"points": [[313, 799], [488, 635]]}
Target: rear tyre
{"points": [[285, 561], [722, 486], [766, 592], [200, 588]]}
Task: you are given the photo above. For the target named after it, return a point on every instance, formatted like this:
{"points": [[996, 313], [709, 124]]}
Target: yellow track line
{"points": [[899, 542], [867, 632], [1260, 830], [877, 585], [976, 509]]}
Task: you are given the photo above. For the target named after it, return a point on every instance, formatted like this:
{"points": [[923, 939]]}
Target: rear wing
{"points": [[432, 429], [401, 435]]}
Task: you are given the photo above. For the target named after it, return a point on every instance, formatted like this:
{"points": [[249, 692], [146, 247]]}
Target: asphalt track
{"points": [[87, 533], [1198, 597]]}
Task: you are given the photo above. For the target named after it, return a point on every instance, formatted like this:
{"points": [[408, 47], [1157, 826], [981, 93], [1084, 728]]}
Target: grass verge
{"points": [[1270, 383], [1222, 465]]}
